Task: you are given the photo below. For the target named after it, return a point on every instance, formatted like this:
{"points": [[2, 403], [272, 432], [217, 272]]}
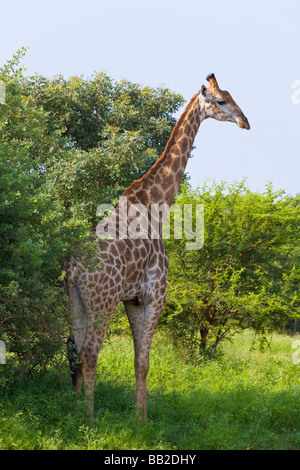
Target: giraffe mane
{"points": [[169, 145]]}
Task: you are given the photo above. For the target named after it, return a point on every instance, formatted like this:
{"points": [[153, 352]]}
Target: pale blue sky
{"points": [[252, 47]]}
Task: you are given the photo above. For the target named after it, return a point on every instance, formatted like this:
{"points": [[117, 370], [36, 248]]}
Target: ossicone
{"points": [[213, 84]]}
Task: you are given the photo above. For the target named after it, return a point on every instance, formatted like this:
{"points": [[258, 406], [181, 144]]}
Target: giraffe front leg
{"points": [[143, 319]]}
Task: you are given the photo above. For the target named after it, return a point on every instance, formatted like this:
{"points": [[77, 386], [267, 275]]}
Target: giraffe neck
{"points": [[161, 183]]}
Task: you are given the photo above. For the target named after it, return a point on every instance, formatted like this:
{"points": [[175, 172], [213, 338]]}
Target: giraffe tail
{"points": [[77, 317], [73, 359]]}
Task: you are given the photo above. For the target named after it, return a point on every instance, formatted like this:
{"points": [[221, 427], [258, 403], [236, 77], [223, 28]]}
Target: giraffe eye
{"points": [[221, 102]]}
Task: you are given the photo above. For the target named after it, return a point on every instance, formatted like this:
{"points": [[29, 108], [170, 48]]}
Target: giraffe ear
{"points": [[205, 93]]}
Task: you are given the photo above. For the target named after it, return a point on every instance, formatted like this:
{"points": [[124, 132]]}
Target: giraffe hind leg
{"points": [[78, 330]]}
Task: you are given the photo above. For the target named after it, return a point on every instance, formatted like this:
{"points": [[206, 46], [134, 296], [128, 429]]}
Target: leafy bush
{"points": [[245, 276]]}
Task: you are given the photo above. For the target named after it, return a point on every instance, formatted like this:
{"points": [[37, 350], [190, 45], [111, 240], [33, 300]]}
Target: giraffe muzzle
{"points": [[243, 122]]}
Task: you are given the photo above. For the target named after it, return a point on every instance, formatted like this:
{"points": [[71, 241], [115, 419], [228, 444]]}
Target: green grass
{"points": [[245, 399]]}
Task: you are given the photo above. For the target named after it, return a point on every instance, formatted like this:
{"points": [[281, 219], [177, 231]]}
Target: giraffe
{"points": [[134, 270]]}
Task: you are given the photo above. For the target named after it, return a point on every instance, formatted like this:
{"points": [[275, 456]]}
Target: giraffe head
{"points": [[219, 104]]}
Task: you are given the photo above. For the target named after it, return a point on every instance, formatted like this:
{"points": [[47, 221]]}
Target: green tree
{"points": [[108, 134], [35, 232], [245, 276]]}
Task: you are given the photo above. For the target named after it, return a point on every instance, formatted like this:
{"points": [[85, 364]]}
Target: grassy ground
{"points": [[243, 400]]}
